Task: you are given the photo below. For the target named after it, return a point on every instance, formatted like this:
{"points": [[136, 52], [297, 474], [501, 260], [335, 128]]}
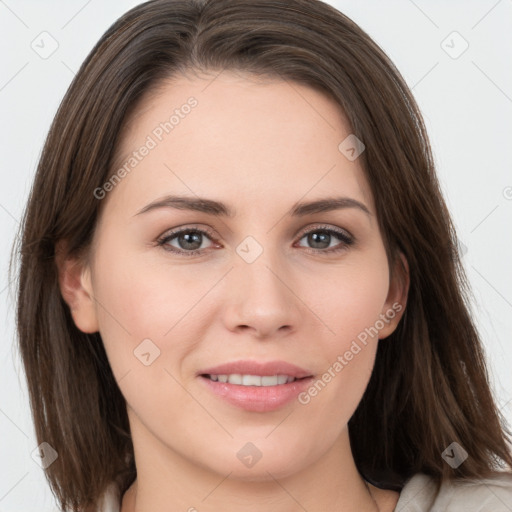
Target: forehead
{"points": [[215, 134]]}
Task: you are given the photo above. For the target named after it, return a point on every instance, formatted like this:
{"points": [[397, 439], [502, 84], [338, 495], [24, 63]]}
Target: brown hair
{"points": [[430, 385]]}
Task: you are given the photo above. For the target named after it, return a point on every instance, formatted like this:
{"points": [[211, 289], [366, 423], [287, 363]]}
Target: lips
{"points": [[256, 386]]}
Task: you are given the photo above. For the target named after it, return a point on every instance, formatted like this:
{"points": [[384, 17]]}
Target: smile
{"points": [[252, 380]]}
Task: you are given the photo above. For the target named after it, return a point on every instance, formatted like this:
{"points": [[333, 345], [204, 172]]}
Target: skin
{"points": [[260, 147]]}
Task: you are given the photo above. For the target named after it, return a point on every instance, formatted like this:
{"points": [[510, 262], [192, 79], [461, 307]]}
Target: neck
{"points": [[168, 481]]}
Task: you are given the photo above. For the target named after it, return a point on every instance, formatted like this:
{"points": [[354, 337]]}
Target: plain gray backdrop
{"points": [[454, 55]]}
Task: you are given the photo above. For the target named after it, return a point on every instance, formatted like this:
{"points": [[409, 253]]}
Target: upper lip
{"points": [[262, 368]]}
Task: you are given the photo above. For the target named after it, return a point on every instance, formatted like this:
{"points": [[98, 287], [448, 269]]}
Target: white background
{"points": [[466, 103]]}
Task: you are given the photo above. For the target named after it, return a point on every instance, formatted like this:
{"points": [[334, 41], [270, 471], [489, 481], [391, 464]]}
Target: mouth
{"points": [[256, 386], [252, 380]]}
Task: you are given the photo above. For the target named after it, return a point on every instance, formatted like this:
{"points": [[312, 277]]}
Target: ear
{"points": [[76, 289], [394, 307]]}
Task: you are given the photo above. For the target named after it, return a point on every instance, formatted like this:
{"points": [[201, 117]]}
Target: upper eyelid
{"points": [[326, 227]]}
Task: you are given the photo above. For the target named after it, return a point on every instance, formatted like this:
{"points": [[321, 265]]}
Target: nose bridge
{"points": [[262, 297], [259, 267]]}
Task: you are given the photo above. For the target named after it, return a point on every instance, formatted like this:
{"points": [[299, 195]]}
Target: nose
{"points": [[262, 300]]}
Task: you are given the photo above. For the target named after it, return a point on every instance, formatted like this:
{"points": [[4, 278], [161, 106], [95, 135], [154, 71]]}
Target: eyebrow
{"points": [[220, 209]]}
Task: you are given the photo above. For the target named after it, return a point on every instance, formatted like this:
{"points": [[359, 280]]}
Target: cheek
{"points": [[350, 301], [349, 308], [141, 309], [148, 327]]}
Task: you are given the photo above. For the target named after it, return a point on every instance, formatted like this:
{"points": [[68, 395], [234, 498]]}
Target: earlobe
{"points": [[76, 289], [396, 301]]}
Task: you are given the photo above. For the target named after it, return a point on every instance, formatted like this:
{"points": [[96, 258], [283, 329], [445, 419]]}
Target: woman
{"points": [[239, 284]]}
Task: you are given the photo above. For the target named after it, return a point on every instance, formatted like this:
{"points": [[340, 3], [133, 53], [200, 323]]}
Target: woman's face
{"points": [[264, 279]]}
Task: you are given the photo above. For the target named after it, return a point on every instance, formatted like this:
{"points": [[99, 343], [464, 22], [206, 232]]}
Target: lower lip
{"points": [[258, 398]]}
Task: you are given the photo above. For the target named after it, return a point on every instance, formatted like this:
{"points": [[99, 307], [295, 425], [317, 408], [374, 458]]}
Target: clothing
{"points": [[489, 495]]}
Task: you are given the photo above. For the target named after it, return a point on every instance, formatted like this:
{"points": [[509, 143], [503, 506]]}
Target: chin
{"points": [[261, 472], [253, 461]]}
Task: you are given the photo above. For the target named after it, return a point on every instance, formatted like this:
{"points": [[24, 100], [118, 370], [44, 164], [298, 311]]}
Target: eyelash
{"points": [[346, 240]]}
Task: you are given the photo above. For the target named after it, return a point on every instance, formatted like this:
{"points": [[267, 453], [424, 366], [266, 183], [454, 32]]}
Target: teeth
{"points": [[249, 380], [253, 380], [235, 378]]}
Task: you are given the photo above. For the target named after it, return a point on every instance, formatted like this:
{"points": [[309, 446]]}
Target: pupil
{"points": [[190, 239], [320, 237]]}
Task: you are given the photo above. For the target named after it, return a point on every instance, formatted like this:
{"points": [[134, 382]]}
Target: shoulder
{"points": [[493, 494], [110, 500]]}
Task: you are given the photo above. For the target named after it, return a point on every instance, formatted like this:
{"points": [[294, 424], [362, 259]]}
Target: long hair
{"points": [[430, 385]]}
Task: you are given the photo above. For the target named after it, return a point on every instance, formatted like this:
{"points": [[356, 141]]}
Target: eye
{"points": [[187, 241], [190, 241], [320, 239]]}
